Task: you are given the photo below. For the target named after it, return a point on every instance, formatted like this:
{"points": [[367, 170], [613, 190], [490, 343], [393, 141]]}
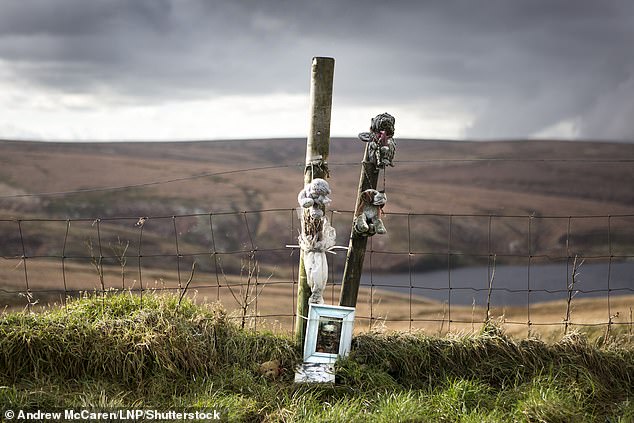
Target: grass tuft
{"points": [[121, 341], [116, 352]]}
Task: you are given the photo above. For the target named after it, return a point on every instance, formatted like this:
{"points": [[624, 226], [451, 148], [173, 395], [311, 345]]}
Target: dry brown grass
{"points": [[418, 184], [377, 310]]}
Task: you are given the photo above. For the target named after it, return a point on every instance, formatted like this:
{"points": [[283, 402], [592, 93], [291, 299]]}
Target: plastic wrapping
{"points": [[315, 262]]}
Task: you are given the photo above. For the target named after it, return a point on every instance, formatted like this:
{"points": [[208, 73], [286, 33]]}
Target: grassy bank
{"points": [[113, 353]]}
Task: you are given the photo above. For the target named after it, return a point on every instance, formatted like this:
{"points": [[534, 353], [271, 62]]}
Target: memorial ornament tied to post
{"points": [[371, 199], [381, 145], [316, 236], [380, 154], [367, 220]]}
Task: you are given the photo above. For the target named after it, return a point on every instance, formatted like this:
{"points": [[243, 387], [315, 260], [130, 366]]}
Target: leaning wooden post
{"points": [[356, 248], [317, 147], [378, 154]]}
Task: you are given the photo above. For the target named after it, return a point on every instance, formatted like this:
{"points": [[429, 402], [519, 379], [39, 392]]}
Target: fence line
{"points": [[220, 245]]}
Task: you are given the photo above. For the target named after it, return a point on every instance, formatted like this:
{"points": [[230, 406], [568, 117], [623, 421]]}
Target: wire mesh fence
{"points": [[435, 272]]}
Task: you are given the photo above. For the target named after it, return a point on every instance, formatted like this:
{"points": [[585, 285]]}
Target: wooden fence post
{"points": [[317, 147], [356, 248], [379, 152]]}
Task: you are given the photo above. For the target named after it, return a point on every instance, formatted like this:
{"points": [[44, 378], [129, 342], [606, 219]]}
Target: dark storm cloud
{"points": [[516, 66]]}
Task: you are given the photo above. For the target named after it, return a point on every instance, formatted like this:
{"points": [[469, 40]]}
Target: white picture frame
{"points": [[328, 333], [315, 373]]}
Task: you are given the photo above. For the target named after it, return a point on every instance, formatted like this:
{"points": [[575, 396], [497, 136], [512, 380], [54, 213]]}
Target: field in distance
{"points": [[541, 177], [431, 180]]}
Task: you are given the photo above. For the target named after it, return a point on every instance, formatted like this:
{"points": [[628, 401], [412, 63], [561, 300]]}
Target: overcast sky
{"points": [[205, 69]]}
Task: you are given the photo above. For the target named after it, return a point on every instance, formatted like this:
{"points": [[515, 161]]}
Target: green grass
{"points": [[113, 352]]}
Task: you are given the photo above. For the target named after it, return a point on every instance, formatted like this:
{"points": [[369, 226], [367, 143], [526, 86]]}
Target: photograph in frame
{"points": [[328, 333]]}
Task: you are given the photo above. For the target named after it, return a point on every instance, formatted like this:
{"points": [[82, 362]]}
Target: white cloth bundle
{"points": [[315, 262]]}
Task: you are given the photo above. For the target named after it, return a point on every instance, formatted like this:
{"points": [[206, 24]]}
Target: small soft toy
{"points": [[314, 196], [368, 220], [316, 236], [381, 146], [271, 369]]}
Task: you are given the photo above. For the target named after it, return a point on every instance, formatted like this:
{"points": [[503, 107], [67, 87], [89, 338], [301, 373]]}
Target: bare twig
{"points": [[630, 328], [191, 277], [248, 292], [576, 265], [473, 306], [30, 300], [444, 314], [610, 323], [491, 278], [96, 263], [120, 250], [375, 322]]}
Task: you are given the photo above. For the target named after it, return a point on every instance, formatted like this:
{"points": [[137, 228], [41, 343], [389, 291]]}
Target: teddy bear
{"points": [[271, 369], [381, 147], [368, 220], [314, 197]]}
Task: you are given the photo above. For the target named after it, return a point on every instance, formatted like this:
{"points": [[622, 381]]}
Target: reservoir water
{"points": [[510, 283]]}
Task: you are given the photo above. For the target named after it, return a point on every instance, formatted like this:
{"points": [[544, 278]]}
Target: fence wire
{"points": [[440, 272]]}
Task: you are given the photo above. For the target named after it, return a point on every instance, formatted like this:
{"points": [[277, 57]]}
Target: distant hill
{"points": [[545, 177], [440, 196], [538, 178]]}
